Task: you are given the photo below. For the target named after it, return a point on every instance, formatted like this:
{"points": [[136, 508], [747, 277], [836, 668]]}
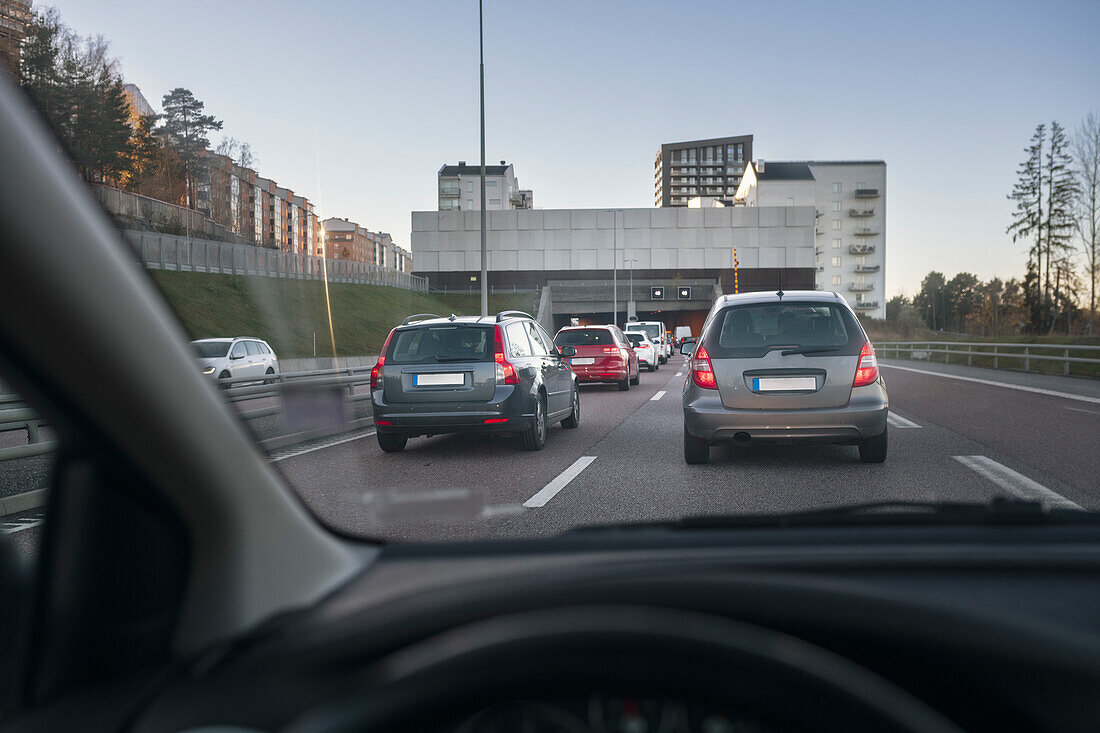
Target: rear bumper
{"points": [[438, 418], [863, 417], [597, 373]]}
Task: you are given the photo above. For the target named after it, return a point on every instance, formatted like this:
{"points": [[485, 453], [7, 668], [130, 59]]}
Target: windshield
{"points": [[440, 343], [881, 226], [211, 349], [653, 330]]}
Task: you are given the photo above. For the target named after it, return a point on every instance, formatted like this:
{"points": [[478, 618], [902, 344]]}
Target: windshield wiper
{"points": [[1000, 510], [810, 350]]}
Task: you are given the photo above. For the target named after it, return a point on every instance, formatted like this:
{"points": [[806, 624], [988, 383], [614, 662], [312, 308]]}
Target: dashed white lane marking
{"points": [[897, 421], [327, 444], [990, 382], [657, 396], [1079, 409], [679, 374], [1015, 483], [11, 526], [548, 492]]}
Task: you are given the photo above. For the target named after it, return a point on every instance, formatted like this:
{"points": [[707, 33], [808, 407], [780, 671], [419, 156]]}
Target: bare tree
{"points": [[1086, 162]]}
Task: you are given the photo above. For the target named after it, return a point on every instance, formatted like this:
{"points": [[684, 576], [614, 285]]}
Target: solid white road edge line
{"points": [[657, 396], [897, 421], [990, 382], [302, 452], [548, 492], [1015, 483]]}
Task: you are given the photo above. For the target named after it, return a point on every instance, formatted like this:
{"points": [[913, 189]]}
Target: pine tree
{"points": [[1061, 189], [1028, 220], [187, 127]]}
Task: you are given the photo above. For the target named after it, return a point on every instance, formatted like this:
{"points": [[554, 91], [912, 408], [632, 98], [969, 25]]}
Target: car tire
{"points": [[534, 438], [221, 383], [662, 360], [270, 373], [637, 377], [392, 442], [696, 450], [624, 385], [651, 367], [873, 449], [574, 418]]}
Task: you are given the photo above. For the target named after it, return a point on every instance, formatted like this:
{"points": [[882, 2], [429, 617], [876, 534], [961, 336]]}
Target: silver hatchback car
{"points": [[783, 367]]}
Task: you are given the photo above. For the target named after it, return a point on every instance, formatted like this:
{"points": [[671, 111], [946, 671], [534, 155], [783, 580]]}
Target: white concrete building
{"points": [[850, 232], [460, 188]]}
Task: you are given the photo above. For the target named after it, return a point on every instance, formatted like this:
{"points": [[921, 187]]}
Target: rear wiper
{"points": [[810, 350], [1000, 510]]}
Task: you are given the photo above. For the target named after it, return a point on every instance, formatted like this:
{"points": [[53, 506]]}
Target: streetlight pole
{"points": [[630, 295], [484, 253], [615, 267]]}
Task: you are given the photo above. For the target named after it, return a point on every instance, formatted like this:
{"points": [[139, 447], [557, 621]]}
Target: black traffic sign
{"points": [[657, 293], [683, 293]]}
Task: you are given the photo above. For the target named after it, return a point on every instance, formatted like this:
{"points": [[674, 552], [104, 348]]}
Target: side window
{"points": [[551, 348], [254, 348], [239, 349], [264, 349], [28, 448], [538, 346], [518, 342]]}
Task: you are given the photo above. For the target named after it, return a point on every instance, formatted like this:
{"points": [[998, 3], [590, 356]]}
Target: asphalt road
{"points": [[956, 433]]}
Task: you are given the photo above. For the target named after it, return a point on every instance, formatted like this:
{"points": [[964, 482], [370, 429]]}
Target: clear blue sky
{"points": [[357, 104]]}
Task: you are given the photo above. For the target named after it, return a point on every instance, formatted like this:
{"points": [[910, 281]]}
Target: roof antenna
{"points": [[780, 291]]}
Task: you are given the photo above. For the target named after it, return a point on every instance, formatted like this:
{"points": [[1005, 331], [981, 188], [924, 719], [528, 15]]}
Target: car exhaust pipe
{"points": [[742, 437]]}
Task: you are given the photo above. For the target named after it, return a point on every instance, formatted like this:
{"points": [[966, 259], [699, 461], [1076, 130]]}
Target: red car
{"points": [[603, 354]]}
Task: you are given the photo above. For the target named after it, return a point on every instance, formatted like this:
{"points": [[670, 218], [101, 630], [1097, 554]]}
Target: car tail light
{"points": [[382, 422], [642, 346], [506, 373], [376, 373], [496, 420], [867, 371], [701, 371], [611, 349]]}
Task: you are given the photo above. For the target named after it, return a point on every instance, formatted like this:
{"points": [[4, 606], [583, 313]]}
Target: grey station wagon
{"points": [[783, 367], [494, 374]]}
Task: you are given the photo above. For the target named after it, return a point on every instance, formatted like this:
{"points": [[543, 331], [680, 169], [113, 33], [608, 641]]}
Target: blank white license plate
{"points": [[784, 384], [584, 360], [438, 380]]}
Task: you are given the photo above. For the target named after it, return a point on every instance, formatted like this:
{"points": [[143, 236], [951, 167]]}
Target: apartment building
{"points": [[693, 168], [347, 240], [14, 17], [849, 197], [460, 188]]}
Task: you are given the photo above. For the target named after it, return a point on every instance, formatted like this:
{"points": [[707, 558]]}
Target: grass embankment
{"points": [[288, 313]]}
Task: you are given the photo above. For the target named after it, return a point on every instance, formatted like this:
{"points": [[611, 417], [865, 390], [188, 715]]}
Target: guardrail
{"points": [[998, 355], [15, 415]]}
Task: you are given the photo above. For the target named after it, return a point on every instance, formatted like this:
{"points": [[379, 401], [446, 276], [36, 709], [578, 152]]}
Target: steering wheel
{"points": [[435, 683]]}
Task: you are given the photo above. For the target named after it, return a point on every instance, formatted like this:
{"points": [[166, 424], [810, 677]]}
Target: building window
{"points": [[836, 244], [494, 202], [837, 188], [861, 185], [836, 261], [836, 225], [469, 186], [491, 184], [470, 204], [790, 201], [836, 206], [836, 279]]}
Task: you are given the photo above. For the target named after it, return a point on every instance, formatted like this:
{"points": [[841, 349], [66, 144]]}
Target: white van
{"points": [[657, 333], [680, 333]]}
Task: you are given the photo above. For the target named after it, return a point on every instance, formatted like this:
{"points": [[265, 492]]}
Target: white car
{"points": [[657, 334], [645, 349], [235, 358]]}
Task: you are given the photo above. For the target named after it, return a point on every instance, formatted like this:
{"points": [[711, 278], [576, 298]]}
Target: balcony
{"points": [[867, 268], [866, 193], [860, 213], [865, 232], [860, 287], [819, 268], [866, 304], [861, 249]]}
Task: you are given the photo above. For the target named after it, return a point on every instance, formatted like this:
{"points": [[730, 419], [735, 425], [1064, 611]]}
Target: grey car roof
{"points": [[773, 296], [483, 320]]}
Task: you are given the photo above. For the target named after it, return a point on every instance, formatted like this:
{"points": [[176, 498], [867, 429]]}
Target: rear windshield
{"points": [[442, 343], [211, 349], [586, 337], [747, 330], [635, 338], [653, 330]]}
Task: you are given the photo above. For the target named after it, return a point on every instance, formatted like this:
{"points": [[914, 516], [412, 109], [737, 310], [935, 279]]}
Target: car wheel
{"points": [[270, 373], [574, 418], [534, 438], [696, 450], [392, 442], [222, 384], [651, 367], [873, 450], [637, 378], [624, 385]]}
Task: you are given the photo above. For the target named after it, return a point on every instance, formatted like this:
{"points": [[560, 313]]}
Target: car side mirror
{"points": [[238, 356], [567, 351], [687, 346]]}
